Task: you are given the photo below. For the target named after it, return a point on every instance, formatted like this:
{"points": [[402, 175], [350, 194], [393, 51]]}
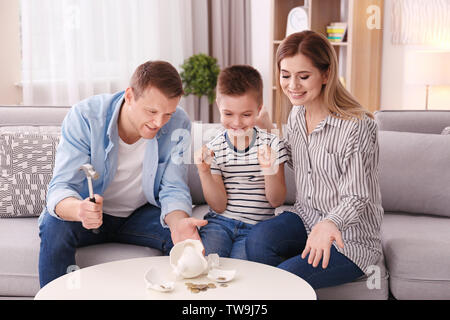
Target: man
{"points": [[141, 195]]}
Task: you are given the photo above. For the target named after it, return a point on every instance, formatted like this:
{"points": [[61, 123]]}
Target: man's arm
{"points": [[175, 196], [64, 196]]}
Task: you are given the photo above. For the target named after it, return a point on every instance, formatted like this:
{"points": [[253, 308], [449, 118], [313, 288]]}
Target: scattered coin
{"points": [[197, 287], [223, 285]]}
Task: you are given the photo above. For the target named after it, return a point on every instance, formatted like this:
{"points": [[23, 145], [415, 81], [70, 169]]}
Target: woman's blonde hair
{"points": [[319, 50]]}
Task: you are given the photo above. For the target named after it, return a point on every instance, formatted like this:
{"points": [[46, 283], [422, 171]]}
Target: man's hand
{"points": [[186, 228], [319, 243], [183, 227], [91, 213]]}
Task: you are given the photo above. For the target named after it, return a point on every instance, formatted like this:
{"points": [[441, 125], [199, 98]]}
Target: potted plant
{"points": [[199, 77]]}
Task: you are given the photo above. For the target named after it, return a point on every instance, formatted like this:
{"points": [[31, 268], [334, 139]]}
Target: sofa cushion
{"points": [[372, 287], [27, 156], [19, 256], [420, 121], [417, 254], [415, 172]]}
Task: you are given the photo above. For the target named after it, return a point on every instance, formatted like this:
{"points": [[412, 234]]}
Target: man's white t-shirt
{"points": [[125, 194]]}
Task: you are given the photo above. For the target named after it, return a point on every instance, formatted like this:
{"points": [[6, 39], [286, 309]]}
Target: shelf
{"points": [[359, 55], [340, 44]]}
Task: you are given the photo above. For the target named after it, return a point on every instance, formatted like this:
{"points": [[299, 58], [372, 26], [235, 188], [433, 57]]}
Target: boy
{"points": [[241, 169]]}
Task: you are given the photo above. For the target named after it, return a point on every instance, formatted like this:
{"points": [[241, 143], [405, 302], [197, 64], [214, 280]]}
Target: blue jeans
{"points": [[224, 236], [60, 239], [280, 242]]}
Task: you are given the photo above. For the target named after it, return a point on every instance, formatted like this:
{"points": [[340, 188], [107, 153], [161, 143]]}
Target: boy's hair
{"points": [[238, 80], [159, 74]]}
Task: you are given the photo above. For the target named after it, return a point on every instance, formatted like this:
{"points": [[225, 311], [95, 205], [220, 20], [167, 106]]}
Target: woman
{"points": [[333, 147]]}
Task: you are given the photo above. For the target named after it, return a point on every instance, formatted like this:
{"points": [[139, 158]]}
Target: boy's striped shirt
{"points": [[242, 176]]}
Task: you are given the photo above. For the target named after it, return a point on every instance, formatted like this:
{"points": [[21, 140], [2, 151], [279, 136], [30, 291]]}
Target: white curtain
{"points": [[73, 49], [231, 36], [421, 22]]}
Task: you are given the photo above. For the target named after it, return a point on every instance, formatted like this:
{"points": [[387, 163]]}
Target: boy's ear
{"points": [[260, 108], [217, 101]]}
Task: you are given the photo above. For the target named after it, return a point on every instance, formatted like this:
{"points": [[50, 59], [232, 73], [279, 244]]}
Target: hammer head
{"points": [[89, 171]]}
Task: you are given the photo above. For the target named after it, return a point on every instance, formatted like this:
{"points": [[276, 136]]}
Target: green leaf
{"points": [[199, 76]]}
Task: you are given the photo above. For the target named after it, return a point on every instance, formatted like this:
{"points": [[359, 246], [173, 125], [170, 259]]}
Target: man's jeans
{"points": [[224, 236], [60, 239], [280, 242]]}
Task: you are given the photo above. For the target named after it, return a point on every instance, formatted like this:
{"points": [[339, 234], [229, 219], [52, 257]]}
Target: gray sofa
{"points": [[415, 185]]}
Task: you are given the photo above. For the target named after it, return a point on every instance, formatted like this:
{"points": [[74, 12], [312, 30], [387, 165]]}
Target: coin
{"points": [[202, 286], [195, 290], [223, 285], [211, 285]]}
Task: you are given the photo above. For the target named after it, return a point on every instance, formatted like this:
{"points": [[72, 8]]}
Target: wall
{"points": [[10, 64], [395, 92]]}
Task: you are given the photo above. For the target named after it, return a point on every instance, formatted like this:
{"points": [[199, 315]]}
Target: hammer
{"points": [[90, 174]]}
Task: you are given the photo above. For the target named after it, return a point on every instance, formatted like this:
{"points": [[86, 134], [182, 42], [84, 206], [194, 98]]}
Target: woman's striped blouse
{"points": [[336, 173]]}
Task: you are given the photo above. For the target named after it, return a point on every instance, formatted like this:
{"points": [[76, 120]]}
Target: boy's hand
{"points": [[203, 158], [263, 120], [266, 158]]}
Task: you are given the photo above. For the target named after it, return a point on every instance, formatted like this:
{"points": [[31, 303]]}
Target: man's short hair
{"points": [[238, 80], [159, 74]]}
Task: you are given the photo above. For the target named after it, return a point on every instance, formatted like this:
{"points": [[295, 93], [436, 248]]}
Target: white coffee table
{"points": [[124, 279]]}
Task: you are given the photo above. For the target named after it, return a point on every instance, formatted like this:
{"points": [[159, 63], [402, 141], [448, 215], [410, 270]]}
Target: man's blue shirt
{"points": [[89, 134]]}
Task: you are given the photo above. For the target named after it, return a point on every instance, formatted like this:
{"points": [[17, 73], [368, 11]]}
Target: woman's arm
{"points": [[212, 184]]}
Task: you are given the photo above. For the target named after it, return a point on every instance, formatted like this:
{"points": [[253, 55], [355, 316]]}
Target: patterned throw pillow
{"points": [[446, 131], [27, 157]]}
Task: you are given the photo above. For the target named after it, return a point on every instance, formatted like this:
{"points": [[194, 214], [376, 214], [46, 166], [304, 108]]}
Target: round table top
{"points": [[124, 279]]}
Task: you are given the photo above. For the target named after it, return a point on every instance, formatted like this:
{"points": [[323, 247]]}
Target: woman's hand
{"points": [[319, 243]]}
